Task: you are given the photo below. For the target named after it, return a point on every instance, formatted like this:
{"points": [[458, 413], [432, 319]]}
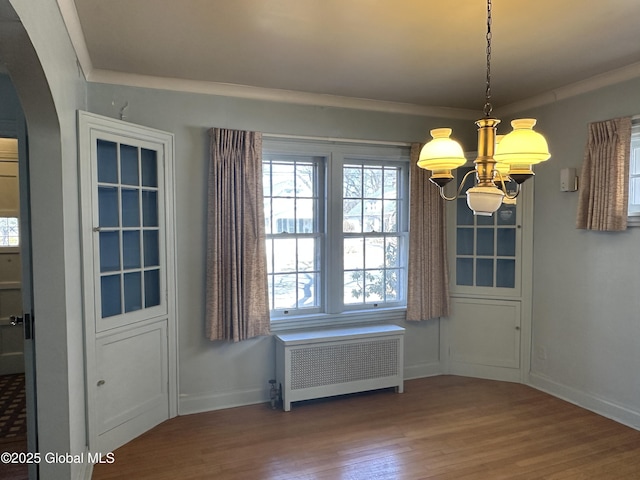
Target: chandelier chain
{"points": [[487, 106]]}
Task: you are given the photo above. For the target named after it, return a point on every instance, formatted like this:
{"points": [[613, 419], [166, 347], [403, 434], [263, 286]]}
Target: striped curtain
{"points": [[237, 305], [428, 283], [604, 180]]}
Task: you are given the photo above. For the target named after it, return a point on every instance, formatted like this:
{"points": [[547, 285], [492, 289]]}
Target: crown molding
{"points": [[276, 95], [587, 85]]}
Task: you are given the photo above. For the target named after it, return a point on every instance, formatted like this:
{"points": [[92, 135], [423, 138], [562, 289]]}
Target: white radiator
{"points": [[324, 363]]}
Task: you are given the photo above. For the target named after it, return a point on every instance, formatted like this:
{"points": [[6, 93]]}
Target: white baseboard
{"points": [[207, 402], [606, 408], [422, 370]]}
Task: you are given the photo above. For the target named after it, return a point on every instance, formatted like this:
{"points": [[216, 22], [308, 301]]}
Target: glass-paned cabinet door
{"points": [[130, 233], [486, 252]]}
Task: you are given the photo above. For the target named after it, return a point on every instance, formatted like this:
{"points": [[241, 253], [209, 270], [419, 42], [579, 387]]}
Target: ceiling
{"points": [[403, 55]]}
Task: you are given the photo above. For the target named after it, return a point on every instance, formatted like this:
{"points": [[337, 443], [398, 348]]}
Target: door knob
{"points": [[15, 320]]}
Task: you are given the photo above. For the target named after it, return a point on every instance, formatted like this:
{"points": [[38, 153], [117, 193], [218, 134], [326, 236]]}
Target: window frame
{"points": [[334, 154]]}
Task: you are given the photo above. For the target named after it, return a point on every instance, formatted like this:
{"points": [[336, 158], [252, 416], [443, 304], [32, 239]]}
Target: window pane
{"points": [[151, 288], [107, 162], [484, 241], [464, 241], [464, 214], [128, 165], [352, 182], [484, 272], [506, 273], [284, 291], [131, 249], [282, 180], [374, 252], [284, 255], [372, 216], [110, 295], [374, 285], [305, 175], [353, 287], [353, 253], [464, 271], [307, 290], [372, 182], [151, 248], [391, 251], [130, 208], [352, 216], [390, 216], [132, 291], [108, 207], [507, 242], [304, 216], [149, 168], [307, 258], [109, 251], [150, 208], [392, 278], [390, 183]]}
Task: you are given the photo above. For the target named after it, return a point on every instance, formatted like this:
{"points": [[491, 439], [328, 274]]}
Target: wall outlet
{"points": [[541, 353]]}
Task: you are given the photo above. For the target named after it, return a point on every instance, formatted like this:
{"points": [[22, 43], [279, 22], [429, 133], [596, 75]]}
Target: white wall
{"points": [[586, 306], [217, 375]]}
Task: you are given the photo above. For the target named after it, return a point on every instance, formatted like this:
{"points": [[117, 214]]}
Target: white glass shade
{"points": [[522, 146], [484, 200], [442, 154]]}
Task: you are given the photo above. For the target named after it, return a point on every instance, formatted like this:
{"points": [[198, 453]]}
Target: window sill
{"points": [[391, 315]]}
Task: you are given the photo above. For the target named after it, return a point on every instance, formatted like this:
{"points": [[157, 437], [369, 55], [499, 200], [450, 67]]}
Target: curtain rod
{"points": [[334, 139]]}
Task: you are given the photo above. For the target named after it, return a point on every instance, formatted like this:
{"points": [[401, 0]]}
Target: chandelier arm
{"points": [[464, 179], [503, 182]]}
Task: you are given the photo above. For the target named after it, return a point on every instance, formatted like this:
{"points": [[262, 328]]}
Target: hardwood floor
{"points": [[443, 427]]}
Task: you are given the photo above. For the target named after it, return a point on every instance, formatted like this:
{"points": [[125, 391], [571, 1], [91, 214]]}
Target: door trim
{"points": [[88, 122]]}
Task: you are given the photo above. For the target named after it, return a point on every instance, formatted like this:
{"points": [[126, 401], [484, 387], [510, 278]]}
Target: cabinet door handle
{"points": [[100, 383]]}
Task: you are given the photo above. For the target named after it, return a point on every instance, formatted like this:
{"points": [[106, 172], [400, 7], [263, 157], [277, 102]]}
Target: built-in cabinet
{"points": [[488, 331]]}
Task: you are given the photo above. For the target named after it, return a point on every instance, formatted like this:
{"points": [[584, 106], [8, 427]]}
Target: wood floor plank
{"points": [[441, 428]]}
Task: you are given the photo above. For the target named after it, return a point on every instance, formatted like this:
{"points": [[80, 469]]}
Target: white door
{"points": [[488, 330], [128, 264], [11, 334]]}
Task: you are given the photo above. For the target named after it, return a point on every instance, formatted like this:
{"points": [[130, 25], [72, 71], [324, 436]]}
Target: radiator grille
{"points": [[333, 364]]}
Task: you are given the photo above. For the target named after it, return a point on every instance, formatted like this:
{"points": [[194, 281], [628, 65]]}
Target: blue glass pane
{"points": [[128, 165], [149, 208], [149, 168], [131, 249], [151, 288], [109, 251], [108, 206], [110, 293], [507, 242], [485, 220], [484, 239], [506, 273], [484, 272], [464, 213], [132, 291], [107, 162], [130, 208], [507, 215], [151, 248], [464, 271], [464, 242]]}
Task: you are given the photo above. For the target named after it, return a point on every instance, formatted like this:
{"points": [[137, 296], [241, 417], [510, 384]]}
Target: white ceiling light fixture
{"points": [[510, 159]]}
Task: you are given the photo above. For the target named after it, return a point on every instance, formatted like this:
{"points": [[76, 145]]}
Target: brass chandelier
{"points": [[501, 158]]}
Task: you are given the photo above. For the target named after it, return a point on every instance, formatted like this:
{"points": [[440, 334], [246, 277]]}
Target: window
{"points": [[634, 175], [9, 232], [336, 219]]}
